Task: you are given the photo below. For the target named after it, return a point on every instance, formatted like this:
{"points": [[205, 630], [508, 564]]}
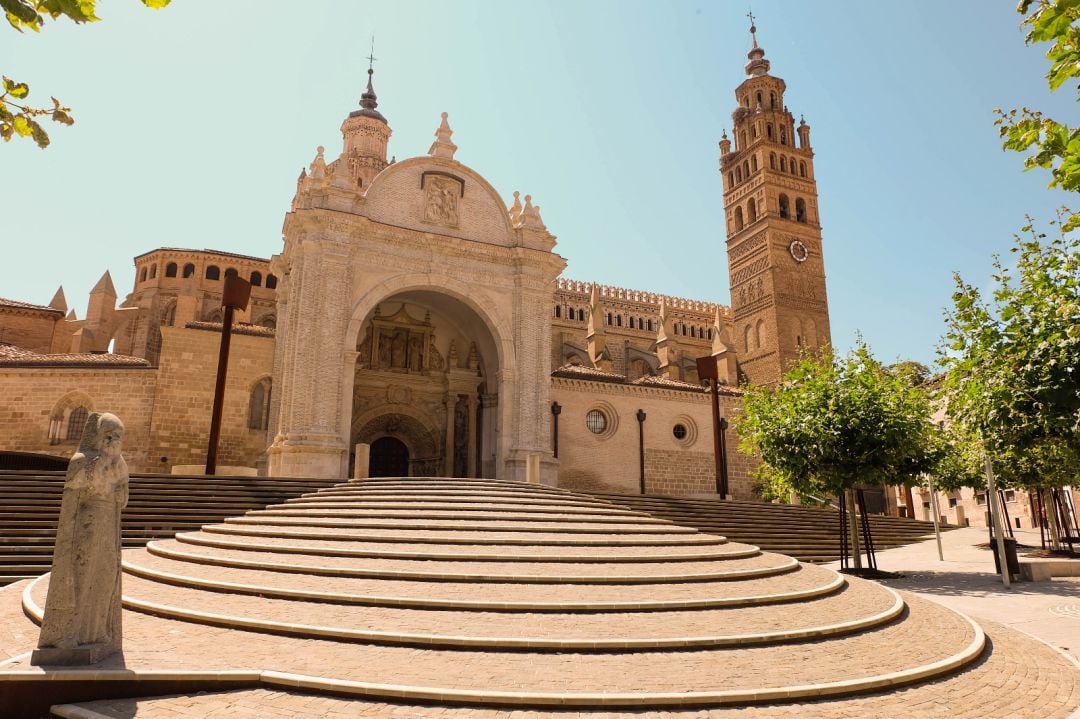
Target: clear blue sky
{"points": [[193, 122]]}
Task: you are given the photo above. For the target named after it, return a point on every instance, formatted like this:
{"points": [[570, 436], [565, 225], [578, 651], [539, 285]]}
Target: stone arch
{"points": [[406, 424], [60, 416]]}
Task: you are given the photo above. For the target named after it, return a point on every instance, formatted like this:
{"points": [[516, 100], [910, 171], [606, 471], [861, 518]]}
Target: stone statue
{"points": [[82, 609]]}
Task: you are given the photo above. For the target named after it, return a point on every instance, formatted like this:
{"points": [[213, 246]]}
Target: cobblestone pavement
{"points": [[966, 582], [1018, 679]]}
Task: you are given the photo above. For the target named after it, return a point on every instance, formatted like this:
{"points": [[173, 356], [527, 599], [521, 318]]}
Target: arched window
{"points": [[259, 405], [684, 330], [558, 311], [738, 174], [650, 325], [746, 169], [708, 333], [231, 272], [783, 164], [800, 209], [271, 282], [751, 210], [76, 422], [581, 315], [753, 163], [269, 321], [153, 270], [742, 139], [754, 130], [168, 317], [731, 179], [618, 320], [170, 269], [811, 332], [791, 165], [609, 318], [772, 160], [769, 131], [142, 275], [738, 219], [759, 97], [746, 337], [759, 330], [783, 135], [215, 316], [785, 208], [802, 169], [212, 272], [772, 100], [256, 279], [189, 270]]}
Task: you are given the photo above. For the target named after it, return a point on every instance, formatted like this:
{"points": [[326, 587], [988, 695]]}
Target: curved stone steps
{"points": [[464, 525], [620, 519], [469, 552], [852, 608], [460, 537], [891, 655], [422, 508], [759, 564], [803, 582], [455, 498]]}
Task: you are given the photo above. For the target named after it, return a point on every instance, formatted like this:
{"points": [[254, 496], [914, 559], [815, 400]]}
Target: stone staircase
{"points": [[499, 594], [159, 505], [810, 534]]}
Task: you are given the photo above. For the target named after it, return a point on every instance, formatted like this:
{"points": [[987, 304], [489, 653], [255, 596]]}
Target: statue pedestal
{"points": [[82, 655]]}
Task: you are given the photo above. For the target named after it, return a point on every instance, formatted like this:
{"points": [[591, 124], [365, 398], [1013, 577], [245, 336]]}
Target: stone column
{"points": [[448, 463], [472, 443], [361, 461]]}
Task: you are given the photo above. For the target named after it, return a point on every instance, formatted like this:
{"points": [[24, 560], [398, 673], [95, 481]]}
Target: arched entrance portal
{"points": [[389, 458], [424, 363]]}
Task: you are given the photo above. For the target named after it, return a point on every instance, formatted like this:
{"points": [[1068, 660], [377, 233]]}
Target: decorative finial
{"points": [[368, 100], [802, 120], [443, 146], [758, 65], [753, 27], [723, 134]]}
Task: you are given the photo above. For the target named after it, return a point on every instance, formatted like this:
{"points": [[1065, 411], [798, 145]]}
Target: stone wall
{"points": [[609, 461], [29, 328]]}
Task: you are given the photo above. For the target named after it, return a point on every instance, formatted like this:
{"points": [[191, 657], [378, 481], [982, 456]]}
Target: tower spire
{"points": [[368, 99], [758, 65]]}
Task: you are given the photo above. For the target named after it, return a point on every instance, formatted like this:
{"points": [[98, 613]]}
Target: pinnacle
{"points": [[104, 285]]}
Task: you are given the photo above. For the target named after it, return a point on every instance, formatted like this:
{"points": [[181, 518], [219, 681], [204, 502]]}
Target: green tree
{"points": [[835, 422], [17, 116], [1056, 145]]}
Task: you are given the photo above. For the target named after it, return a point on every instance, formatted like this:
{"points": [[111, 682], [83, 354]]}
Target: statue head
{"points": [[103, 435]]}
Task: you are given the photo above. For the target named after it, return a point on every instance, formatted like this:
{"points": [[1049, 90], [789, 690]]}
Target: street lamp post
{"points": [[708, 372], [235, 297], [640, 414]]}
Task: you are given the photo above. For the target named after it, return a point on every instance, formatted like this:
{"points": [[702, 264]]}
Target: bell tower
{"points": [[775, 266]]}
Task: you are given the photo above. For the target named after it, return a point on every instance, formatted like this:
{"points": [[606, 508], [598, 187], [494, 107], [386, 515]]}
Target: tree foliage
{"points": [[1013, 362], [1055, 145], [838, 421], [19, 118]]}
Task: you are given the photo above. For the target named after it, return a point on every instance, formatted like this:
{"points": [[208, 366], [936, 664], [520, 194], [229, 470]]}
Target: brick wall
{"points": [[29, 329]]}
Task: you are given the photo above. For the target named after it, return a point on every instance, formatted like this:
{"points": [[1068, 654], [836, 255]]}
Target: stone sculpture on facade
{"points": [[82, 610]]}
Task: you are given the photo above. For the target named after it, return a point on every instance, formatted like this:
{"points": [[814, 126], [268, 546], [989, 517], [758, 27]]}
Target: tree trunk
{"points": [[853, 527]]}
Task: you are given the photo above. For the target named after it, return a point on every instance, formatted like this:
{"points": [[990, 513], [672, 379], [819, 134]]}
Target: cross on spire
{"points": [[753, 27], [371, 58]]}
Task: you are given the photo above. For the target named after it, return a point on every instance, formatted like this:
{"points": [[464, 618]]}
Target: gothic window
{"points": [[783, 164], [256, 279], [751, 210], [753, 163], [772, 160], [76, 420], [153, 270], [802, 169], [800, 209], [785, 207], [259, 405], [738, 219], [170, 269], [271, 282], [231, 272], [783, 136], [769, 131], [189, 270], [142, 275], [213, 273]]}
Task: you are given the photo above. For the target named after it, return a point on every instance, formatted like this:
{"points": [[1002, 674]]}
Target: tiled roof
{"points": [[28, 306], [12, 356], [577, 371], [598, 375], [238, 329]]}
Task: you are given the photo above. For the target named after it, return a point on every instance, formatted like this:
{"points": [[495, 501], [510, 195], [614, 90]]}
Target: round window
{"points": [[680, 431], [596, 421]]}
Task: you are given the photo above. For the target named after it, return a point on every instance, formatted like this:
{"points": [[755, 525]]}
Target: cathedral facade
{"points": [[415, 322]]}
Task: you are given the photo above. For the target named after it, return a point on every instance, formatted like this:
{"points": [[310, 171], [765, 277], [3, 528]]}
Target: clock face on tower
{"points": [[798, 251]]}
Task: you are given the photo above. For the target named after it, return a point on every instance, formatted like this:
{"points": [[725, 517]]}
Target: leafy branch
{"points": [[17, 118]]}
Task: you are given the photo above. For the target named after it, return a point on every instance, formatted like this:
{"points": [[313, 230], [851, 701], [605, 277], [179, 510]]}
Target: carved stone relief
{"points": [[441, 200]]}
